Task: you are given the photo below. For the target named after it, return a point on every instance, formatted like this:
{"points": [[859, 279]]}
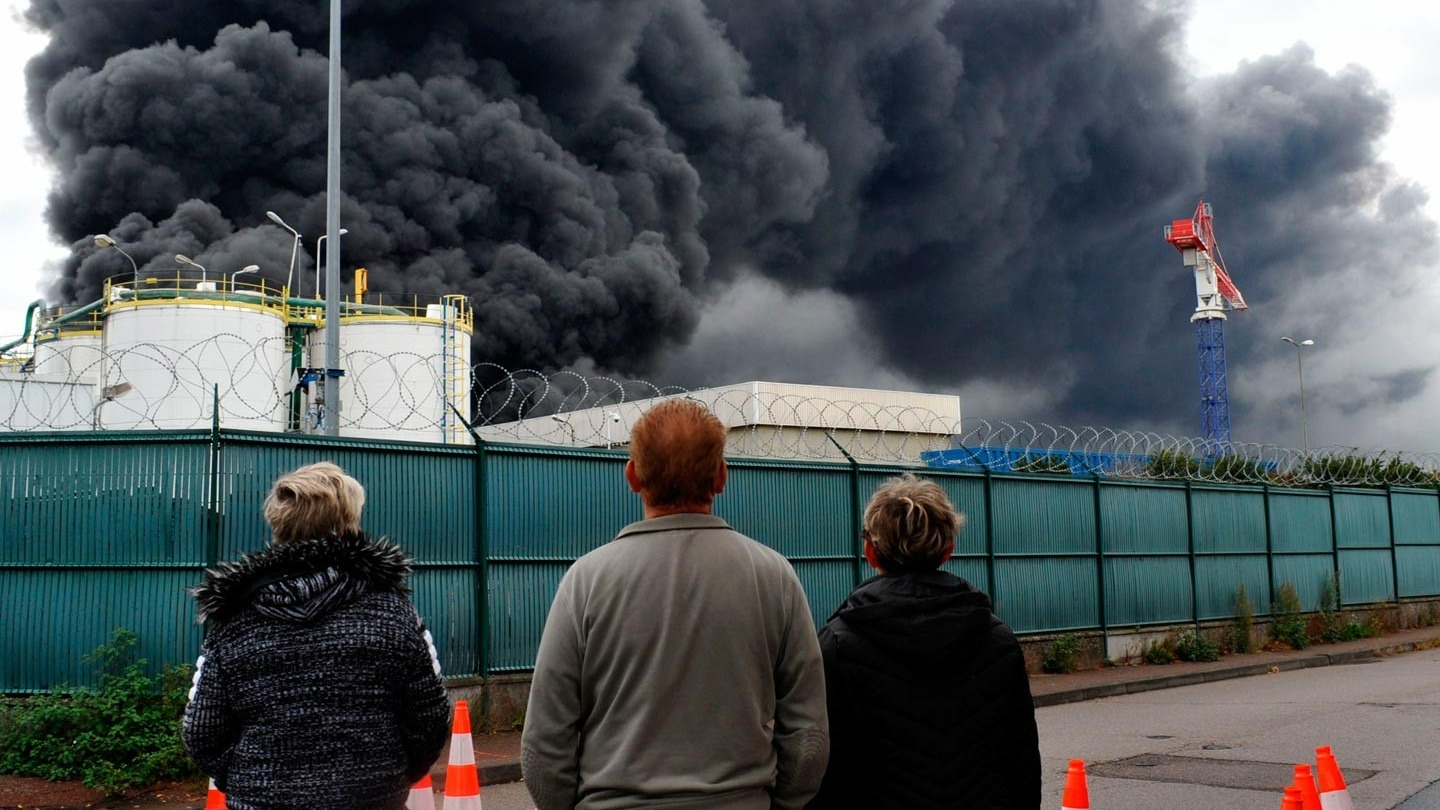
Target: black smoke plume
{"points": [[982, 183]]}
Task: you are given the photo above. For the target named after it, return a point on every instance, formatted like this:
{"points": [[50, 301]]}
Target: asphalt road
{"points": [[1232, 745]]}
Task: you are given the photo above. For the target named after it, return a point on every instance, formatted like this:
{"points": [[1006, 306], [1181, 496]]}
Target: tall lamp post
{"points": [[103, 241], [1300, 367], [294, 247]]}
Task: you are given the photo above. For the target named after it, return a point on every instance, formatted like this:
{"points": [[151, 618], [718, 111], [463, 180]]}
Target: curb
{"points": [[1151, 684]]}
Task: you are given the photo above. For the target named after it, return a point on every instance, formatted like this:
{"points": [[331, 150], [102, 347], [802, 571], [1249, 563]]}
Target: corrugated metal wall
{"points": [[99, 532]]}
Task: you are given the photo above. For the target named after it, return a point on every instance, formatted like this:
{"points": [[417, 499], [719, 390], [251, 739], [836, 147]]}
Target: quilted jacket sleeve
{"points": [[210, 724], [424, 719]]}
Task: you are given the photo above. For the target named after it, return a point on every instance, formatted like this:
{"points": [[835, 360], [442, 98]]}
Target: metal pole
{"points": [[1304, 427], [332, 225]]}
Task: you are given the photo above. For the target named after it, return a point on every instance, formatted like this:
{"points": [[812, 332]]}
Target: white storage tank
{"points": [[72, 354], [167, 352], [406, 364]]}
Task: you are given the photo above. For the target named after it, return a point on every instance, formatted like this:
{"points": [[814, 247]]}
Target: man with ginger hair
{"points": [[679, 665]]}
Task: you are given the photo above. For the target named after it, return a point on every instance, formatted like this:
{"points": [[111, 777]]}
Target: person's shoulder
{"points": [[764, 558]]}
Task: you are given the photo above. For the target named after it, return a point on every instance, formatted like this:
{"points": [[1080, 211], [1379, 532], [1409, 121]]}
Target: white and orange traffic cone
{"points": [[1305, 782], [1334, 795], [462, 780], [1292, 800], [422, 795], [214, 799], [1077, 791]]}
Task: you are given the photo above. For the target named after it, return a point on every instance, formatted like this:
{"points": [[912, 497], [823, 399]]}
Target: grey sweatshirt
{"points": [[679, 666]]}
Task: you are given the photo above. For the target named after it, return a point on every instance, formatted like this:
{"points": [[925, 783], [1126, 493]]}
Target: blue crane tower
{"points": [[1214, 293]]}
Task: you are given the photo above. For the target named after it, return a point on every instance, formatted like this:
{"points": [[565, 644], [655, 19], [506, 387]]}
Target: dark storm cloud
{"points": [[978, 185]]}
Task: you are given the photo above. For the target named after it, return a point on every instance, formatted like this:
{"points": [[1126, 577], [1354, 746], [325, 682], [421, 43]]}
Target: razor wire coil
{"points": [[177, 387]]}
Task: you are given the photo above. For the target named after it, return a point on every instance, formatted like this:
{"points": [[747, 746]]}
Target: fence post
{"points": [[1394, 564], [1190, 546], [482, 567], [1100, 569], [212, 516], [1270, 551], [856, 520], [1335, 547], [990, 543]]}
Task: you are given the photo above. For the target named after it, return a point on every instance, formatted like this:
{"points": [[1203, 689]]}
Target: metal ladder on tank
{"points": [[455, 368]]}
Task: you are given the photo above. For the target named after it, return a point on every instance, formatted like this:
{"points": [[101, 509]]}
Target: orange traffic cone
{"points": [[1334, 795], [422, 795], [462, 781], [1306, 783], [1077, 792], [214, 799], [1292, 800]]}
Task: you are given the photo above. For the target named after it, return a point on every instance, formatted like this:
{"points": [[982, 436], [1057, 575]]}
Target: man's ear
{"points": [[632, 476], [949, 552], [721, 477], [871, 558]]}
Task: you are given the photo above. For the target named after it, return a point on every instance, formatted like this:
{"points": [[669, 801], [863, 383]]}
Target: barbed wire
{"points": [[408, 395]]}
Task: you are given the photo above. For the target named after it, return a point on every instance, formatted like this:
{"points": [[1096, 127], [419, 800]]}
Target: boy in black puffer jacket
{"points": [[928, 697], [317, 686]]}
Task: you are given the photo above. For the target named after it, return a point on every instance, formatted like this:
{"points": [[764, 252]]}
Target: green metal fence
{"points": [[99, 531]]}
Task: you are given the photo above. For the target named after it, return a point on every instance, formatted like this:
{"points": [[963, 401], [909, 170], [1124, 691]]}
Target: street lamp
{"points": [[318, 242], [103, 241], [181, 258], [1300, 366], [294, 247], [566, 422], [249, 268]]}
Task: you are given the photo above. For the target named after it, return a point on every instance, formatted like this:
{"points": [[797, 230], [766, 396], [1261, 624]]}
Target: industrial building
{"points": [[776, 420]]}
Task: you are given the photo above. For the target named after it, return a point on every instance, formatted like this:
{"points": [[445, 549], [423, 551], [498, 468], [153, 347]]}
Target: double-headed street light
{"points": [[103, 241], [1300, 367]]}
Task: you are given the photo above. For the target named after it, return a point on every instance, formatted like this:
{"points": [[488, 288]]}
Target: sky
{"points": [[1385, 339]]}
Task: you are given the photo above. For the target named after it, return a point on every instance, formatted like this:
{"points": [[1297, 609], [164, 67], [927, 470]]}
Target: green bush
{"points": [[1191, 646], [1241, 638], [124, 733], [1327, 610], [1160, 652], [1062, 654], [1237, 470], [1286, 623], [1170, 464]]}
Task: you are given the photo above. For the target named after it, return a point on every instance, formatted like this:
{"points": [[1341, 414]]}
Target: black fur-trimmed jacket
{"points": [[929, 702], [317, 686]]}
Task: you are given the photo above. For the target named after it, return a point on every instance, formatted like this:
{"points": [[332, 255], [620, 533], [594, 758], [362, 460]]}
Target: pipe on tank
{"points": [[37, 304]]}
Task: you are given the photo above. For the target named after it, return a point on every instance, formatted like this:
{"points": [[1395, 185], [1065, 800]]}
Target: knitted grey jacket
{"points": [[317, 686]]}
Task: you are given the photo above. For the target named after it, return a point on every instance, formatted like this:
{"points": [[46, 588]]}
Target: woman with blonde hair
{"points": [[317, 685], [928, 698]]}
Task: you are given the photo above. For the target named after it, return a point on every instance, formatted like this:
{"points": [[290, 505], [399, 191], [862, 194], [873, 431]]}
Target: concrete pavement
{"points": [[498, 755]]}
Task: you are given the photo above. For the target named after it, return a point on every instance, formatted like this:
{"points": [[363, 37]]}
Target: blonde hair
{"points": [[911, 524], [678, 448], [316, 500]]}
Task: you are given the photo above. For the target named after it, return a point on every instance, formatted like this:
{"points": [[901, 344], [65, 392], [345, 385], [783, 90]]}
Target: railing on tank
{"points": [[219, 289], [452, 310]]}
